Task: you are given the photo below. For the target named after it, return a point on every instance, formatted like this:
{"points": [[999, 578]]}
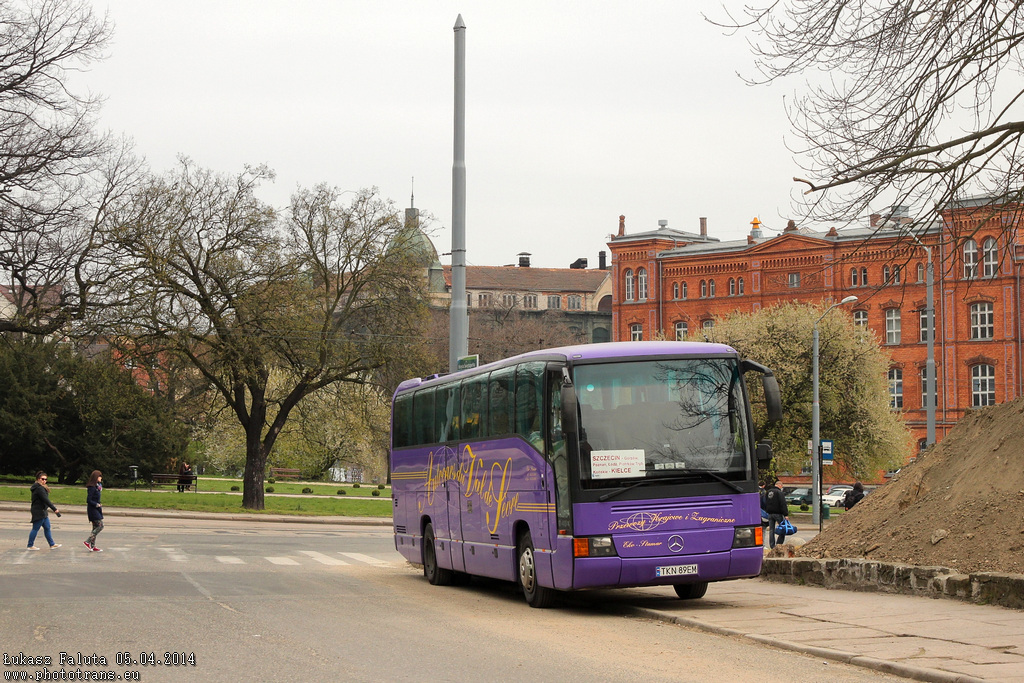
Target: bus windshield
{"points": [[661, 418]]}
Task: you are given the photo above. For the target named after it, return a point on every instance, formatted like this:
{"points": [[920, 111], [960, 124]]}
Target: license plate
{"points": [[676, 570]]}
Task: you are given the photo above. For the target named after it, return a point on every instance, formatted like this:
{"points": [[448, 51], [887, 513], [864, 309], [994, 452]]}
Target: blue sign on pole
{"points": [[826, 452]]}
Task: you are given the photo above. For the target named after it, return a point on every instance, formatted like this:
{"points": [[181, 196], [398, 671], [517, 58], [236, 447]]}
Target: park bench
{"points": [[284, 473], [172, 479]]}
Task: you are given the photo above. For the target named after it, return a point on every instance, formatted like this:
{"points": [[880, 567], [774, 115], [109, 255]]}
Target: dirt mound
{"points": [[959, 506]]}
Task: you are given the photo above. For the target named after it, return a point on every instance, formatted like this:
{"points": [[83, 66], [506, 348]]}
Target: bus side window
{"points": [[423, 416], [530, 404], [473, 408], [500, 389], [402, 421], [446, 412]]}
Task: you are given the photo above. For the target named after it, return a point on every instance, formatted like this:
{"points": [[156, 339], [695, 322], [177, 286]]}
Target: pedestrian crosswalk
{"points": [[174, 555]]}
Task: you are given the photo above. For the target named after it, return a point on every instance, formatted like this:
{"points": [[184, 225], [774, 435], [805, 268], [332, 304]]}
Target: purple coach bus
{"points": [[599, 465]]}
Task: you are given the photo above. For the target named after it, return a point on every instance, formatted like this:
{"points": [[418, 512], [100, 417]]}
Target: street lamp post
{"points": [[815, 421]]}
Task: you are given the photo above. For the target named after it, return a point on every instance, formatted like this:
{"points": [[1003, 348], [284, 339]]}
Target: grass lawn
{"points": [[319, 489], [169, 499]]}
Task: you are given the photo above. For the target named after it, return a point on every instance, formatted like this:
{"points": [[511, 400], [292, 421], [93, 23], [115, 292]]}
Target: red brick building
{"points": [[675, 283]]}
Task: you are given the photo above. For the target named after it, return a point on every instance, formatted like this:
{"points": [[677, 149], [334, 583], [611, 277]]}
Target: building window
{"points": [[970, 259], [636, 332], [896, 277], [641, 284], [703, 289], [681, 330], [924, 388], [885, 275], [711, 288], [854, 280], [895, 388], [892, 326], [483, 299], [732, 287], [983, 385], [508, 300], [924, 324], [794, 280], [675, 290], [469, 299], [989, 257], [708, 324], [529, 301], [982, 321], [574, 302], [920, 272], [864, 277], [554, 301], [860, 318], [684, 290], [739, 287], [629, 285]]}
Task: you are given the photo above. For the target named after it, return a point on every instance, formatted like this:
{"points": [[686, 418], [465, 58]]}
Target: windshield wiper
{"points": [[708, 473], [665, 480], [642, 482]]}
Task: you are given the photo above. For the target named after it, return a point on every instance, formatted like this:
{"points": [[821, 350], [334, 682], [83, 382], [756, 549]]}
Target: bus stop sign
{"points": [[826, 452]]}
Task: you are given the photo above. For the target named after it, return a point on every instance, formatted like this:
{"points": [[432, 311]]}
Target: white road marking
{"points": [[323, 559], [359, 557], [230, 559], [281, 560]]}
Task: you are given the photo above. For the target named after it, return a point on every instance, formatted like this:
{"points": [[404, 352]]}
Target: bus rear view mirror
{"points": [[770, 385], [764, 454]]}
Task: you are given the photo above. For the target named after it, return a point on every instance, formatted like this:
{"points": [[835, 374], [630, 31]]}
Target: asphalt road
{"points": [[270, 601]]}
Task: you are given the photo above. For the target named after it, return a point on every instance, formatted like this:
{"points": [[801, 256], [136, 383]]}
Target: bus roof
{"points": [[586, 352]]}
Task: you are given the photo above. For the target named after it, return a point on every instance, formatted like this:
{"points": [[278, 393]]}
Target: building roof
{"points": [[515, 278]]}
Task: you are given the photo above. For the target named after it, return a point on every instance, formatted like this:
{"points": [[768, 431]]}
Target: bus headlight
{"points": [[748, 537], [593, 546]]}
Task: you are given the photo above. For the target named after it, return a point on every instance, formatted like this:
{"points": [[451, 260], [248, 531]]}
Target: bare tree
{"points": [[906, 103], [58, 177], [267, 310]]}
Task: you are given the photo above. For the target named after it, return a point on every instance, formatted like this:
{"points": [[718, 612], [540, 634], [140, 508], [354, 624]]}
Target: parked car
{"points": [[801, 496], [834, 498]]}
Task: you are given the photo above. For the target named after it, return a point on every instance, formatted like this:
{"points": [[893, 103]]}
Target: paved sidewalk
{"points": [[915, 637]]}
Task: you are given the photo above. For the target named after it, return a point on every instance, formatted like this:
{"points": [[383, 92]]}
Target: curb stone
{"points": [[988, 588]]}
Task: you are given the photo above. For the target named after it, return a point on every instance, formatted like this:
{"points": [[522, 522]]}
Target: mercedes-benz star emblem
{"points": [[675, 543]]}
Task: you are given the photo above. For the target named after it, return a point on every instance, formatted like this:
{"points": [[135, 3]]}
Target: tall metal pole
{"points": [[458, 339], [930, 365], [930, 379], [816, 421]]}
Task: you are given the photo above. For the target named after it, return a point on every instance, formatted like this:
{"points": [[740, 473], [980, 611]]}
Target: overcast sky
{"points": [[576, 112]]}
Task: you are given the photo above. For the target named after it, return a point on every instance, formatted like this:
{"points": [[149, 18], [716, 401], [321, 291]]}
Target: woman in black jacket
{"points": [[41, 507], [94, 508]]}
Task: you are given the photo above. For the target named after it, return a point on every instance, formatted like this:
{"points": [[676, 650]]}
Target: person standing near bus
{"points": [[778, 512], [41, 507], [94, 508]]}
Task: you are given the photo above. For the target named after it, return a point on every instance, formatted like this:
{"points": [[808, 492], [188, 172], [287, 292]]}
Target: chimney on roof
{"points": [[579, 264], [622, 226], [602, 260], [755, 229], [703, 226], [790, 226], [875, 218], [524, 259], [662, 223]]}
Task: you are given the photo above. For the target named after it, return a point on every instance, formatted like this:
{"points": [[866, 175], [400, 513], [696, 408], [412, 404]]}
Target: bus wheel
{"points": [[536, 595], [437, 576], [691, 591]]}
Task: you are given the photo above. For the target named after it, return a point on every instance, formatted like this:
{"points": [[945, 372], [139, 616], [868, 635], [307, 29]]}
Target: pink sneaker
{"points": [[96, 550], [87, 545]]}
